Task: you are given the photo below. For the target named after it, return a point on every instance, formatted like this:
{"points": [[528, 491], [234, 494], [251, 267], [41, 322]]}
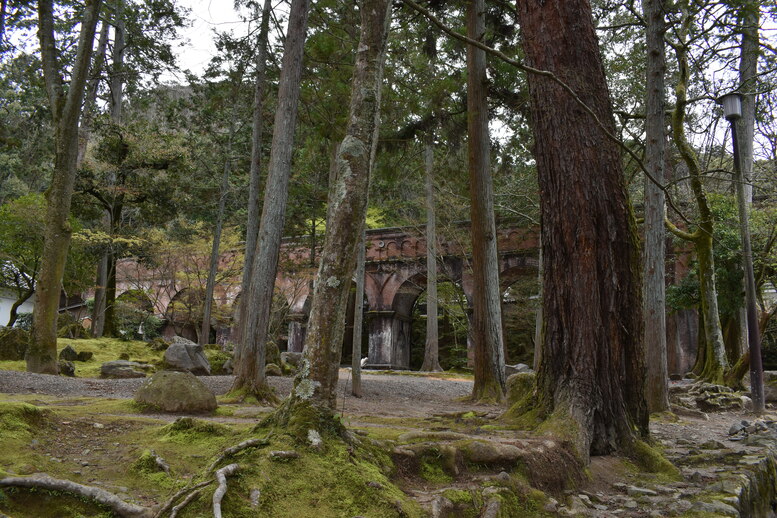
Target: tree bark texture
{"points": [[715, 362], [487, 301], [358, 319], [654, 294], [66, 109], [348, 208], [213, 269], [252, 225], [431, 349], [592, 369], [250, 357]]}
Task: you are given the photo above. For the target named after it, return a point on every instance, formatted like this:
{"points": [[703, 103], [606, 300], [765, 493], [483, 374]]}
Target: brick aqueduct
{"points": [[395, 277]]}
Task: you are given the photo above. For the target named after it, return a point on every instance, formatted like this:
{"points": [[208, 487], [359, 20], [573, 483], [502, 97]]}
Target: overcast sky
{"points": [[206, 15]]}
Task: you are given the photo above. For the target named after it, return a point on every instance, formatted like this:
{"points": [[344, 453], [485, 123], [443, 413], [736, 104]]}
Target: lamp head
{"points": [[732, 105]]}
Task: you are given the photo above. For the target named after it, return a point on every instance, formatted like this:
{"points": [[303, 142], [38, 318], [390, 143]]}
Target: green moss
{"points": [[436, 466], [339, 481], [103, 349], [188, 429], [652, 460], [36, 503], [458, 496]]}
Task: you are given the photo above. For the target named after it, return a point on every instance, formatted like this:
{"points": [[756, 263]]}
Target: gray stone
{"points": [[717, 508], [228, 367], [124, 369], [640, 491], [185, 355], [520, 385], [13, 343], [68, 354], [172, 391], [517, 368], [272, 370], [736, 428], [67, 368]]}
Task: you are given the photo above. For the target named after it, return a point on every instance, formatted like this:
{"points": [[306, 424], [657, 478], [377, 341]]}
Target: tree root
{"points": [[250, 443], [101, 496], [169, 504], [160, 462], [221, 477], [194, 494]]}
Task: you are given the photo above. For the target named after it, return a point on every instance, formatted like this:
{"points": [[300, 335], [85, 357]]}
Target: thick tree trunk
{"points": [[487, 302], [65, 108], [252, 225], [592, 374], [250, 357], [210, 284], [431, 348], [358, 319], [348, 208], [657, 389]]}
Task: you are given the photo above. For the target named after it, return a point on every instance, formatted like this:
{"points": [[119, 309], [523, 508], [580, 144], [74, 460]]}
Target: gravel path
{"points": [[384, 394]]}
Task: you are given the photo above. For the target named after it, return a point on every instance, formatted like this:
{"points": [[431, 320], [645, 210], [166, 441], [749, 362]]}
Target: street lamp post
{"points": [[732, 108]]}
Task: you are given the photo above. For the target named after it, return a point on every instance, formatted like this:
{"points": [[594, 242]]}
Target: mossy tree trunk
{"points": [[592, 375], [65, 104], [715, 362], [347, 210], [487, 302], [250, 353]]}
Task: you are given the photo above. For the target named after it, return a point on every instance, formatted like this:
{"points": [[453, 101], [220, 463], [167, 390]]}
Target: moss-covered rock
{"points": [[73, 331], [176, 392], [158, 344], [519, 386], [13, 343]]}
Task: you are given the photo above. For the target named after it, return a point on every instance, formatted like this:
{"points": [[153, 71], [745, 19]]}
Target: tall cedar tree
{"points": [[65, 104], [593, 370], [487, 318], [348, 208], [250, 354], [657, 390]]}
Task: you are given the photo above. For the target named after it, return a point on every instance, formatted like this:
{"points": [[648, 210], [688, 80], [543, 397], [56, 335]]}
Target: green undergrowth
{"points": [[339, 480], [19, 425], [103, 350], [39, 503]]}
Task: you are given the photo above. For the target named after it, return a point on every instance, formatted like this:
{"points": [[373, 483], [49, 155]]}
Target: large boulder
{"points": [[13, 343], [519, 386], [171, 391], [516, 369], [124, 369], [186, 356], [770, 386], [68, 354]]}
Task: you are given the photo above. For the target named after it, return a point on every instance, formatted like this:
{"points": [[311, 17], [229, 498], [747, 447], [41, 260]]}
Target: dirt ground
{"points": [[88, 446]]}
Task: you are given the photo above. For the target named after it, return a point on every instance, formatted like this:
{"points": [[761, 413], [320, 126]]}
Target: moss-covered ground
{"points": [[111, 349]]}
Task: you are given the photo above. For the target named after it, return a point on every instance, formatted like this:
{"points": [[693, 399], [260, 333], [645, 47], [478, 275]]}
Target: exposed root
{"points": [[250, 443], [171, 501], [160, 462], [101, 496], [221, 477], [194, 494]]}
